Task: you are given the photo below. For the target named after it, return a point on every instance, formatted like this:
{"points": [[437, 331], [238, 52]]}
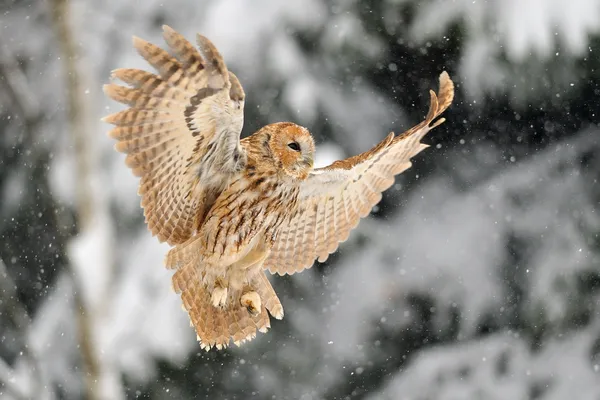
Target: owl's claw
{"points": [[251, 300], [218, 297], [277, 311]]}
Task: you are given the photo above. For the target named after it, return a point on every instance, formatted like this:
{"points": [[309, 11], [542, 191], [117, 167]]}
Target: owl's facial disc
{"points": [[294, 148], [304, 152]]}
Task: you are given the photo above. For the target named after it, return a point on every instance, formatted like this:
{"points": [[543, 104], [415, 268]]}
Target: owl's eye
{"points": [[294, 146]]}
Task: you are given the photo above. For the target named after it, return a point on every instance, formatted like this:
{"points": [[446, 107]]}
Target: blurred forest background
{"points": [[476, 277]]}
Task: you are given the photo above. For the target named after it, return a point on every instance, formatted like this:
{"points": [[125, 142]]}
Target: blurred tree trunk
{"points": [[84, 193]]}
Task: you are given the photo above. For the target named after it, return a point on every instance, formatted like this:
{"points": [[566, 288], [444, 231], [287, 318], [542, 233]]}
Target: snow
{"points": [[148, 321], [500, 366], [327, 153], [490, 368], [450, 245], [477, 240], [523, 27], [51, 337], [530, 33], [422, 250]]}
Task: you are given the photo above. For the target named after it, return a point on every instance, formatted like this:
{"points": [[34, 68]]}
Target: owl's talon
{"points": [[251, 300], [277, 311], [218, 297]]}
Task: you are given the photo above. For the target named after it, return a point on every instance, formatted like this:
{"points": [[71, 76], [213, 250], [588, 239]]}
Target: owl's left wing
{"points": [[181, 133], [334, 199]]}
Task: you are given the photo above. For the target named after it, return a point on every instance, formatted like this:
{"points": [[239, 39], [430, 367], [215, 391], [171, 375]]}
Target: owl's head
{"points": [[292, 147]]}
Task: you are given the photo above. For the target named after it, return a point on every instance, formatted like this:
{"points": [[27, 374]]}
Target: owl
{"points": [[234, 208]]}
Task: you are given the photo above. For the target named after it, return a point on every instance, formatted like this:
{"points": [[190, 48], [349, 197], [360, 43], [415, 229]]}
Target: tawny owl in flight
{"points": [[234, 208]]}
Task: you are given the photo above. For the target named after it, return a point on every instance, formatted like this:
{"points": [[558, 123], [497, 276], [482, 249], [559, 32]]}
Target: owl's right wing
{"points": [[334, 199], [183, 123]]}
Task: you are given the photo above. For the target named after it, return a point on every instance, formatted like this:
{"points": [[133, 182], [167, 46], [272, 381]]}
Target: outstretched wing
{"points": [[181, 132], [334, 198]]}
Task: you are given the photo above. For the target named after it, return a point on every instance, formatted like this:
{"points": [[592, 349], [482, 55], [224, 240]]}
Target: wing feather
{"points": [[334, 199], [132, 117], [181, 132]]}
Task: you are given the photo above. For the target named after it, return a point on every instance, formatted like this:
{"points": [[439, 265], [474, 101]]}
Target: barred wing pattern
{"points": [[334, 199], [181, 133]]}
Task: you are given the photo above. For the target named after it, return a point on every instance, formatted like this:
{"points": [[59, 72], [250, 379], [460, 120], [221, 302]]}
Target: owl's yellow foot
{"points": [[218, 297], [251, 300]]}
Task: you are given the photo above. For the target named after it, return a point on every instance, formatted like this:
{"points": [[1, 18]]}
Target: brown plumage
{"points": [[233, 208]]}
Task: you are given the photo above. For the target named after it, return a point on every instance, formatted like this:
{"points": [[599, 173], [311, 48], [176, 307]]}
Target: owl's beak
{"points": [[308, 160]]}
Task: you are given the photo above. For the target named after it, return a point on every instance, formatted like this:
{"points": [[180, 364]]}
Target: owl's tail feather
{"points": [[218, 326]]}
